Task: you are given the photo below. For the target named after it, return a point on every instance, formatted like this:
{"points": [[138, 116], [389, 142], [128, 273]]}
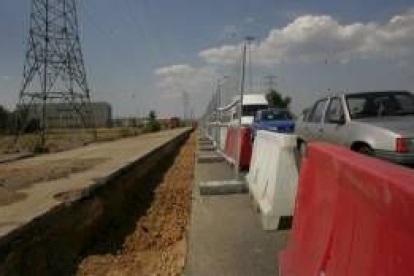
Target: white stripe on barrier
{"points": [[273, 176], [223, 135]]}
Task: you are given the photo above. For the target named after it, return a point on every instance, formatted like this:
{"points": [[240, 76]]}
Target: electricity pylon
{"points": [[54, 70]]}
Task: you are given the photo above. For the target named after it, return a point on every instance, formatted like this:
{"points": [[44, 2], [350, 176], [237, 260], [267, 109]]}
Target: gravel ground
{"points": [[158, 244]]}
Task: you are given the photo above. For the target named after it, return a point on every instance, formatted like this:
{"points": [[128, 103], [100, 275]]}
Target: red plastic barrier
{"points": [[230, 148], [354, 215]]}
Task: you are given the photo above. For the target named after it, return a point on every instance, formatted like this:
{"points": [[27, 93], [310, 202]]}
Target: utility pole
{"points": [[270, 82], [54, 69], [186, 102], [220, 84], [219, 103], [192, 114], [246, 43]]}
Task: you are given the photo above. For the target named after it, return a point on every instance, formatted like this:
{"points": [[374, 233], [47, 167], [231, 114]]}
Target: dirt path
{"points": [[158, 244], [15, 176]]}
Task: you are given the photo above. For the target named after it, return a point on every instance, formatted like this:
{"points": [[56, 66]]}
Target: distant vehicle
{"points": [[174, 122], [379, 124], [251, 104], [273, 119]]}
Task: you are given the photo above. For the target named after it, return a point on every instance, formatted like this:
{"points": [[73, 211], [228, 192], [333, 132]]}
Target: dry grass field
{"points": [[66, 139]]}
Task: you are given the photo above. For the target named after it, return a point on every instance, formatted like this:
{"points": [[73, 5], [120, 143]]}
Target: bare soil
{"points": [[158, 244], [15, 176], [66, 139]]}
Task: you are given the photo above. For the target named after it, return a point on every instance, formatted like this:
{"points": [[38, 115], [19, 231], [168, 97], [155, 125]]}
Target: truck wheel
{"points": [[365, 149]]}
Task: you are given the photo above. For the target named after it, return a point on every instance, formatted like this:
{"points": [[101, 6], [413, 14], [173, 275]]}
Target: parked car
{"points": [[380, 124], [273, 119]]}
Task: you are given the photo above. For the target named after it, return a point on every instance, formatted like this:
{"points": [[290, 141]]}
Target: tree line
{"points": [[275, 99], [6, 120], [11, 122]]}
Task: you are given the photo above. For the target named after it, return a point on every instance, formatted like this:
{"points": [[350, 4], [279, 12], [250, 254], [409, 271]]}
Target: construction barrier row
{"points": [[231, 146], [223, 135], [354, 215], [217, 133], [273, 176], [212, 132]]}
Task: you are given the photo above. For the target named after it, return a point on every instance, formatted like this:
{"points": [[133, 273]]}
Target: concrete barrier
{"points": [[209, 132], [273, 176], [213, 133], [223, 135], [230, 148], [353, 216]]}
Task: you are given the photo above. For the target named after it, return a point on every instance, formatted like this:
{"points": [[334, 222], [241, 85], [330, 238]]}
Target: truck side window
{"points": [[335, 110], [257, 117], [317, 112]]}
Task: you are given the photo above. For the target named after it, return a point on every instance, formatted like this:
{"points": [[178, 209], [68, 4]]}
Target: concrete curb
{"points": [[223, 187]]}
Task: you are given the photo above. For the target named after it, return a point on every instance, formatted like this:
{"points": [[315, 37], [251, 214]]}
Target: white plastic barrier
{"points": [[223, 136], [217, 133], [273, 176], [212, 132]]}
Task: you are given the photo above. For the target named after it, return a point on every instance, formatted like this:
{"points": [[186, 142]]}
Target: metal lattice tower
{"points": [[54, 70]]}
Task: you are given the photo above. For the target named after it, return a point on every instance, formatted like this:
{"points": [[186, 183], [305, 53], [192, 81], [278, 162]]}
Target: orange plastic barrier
{"points": [[354, 215], [230, 149]]}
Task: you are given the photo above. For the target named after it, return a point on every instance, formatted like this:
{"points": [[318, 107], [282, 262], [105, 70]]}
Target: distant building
{"points": [[129, 122], [62, 115]]}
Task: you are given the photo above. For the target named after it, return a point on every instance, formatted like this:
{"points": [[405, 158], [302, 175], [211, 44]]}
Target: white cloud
{"points": [[311, 38], [177, 69], [6, 78], [173, 80], [226, 54]]}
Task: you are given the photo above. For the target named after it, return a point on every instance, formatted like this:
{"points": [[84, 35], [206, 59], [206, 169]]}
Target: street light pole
{"points": [[247, 42], [218, 111]]}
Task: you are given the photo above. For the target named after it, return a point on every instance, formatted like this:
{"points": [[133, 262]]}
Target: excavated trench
{"points": [[133, 224]]}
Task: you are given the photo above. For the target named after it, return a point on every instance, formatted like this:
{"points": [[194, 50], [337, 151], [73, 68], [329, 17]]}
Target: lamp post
{"points": [[246, 43], [218, 106]]}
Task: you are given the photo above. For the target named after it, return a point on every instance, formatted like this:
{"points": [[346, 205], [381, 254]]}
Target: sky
{"points": [[142, 54]]}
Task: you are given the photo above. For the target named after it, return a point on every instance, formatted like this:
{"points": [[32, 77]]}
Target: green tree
{"points": [[153, 124], [275, 99], [5, 117], [152, 115]]}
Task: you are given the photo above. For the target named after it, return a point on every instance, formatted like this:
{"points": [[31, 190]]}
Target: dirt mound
{"points": [[158, 244]]}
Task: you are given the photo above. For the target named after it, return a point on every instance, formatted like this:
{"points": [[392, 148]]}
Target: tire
{"points": [[366, 150]]}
